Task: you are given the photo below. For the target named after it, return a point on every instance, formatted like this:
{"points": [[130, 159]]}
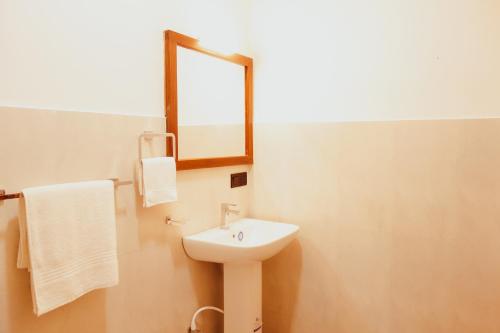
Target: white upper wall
{"points": [[315, 60], [103, 56], [324, 60]]}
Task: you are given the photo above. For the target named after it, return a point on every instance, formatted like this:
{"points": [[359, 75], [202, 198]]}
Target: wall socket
{"points": [[238, 179]]}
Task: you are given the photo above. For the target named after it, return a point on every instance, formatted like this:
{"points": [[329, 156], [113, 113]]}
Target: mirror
{"points": [[208, 104]]}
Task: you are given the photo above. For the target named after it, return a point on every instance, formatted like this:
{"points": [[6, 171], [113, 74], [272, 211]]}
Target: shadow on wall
{"points": [[152, 229], [280, 293], [284, 289]]}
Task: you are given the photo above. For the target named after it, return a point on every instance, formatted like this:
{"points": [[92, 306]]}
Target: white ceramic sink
{"points": [[241, 248], [245, 240]]}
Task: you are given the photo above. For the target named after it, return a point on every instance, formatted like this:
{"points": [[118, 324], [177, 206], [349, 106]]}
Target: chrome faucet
{"points": [[225, 210]]}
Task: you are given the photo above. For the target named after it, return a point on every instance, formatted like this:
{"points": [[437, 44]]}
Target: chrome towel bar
{"points": [[5, 196]]}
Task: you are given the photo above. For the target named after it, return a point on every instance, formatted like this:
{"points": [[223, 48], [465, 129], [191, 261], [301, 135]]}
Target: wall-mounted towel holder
{"points": [[5, 196], [148, 135]]}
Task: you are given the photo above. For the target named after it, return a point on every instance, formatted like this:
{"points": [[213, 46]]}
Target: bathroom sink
{"points": [[241, 248], [244, 240]]}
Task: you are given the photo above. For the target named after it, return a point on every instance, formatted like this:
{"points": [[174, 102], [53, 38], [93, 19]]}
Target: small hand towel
{"points": [[68, 241], [158, 181]]}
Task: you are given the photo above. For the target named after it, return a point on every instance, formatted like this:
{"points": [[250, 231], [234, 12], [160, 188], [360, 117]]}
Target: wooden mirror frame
{"points": [[172, 41]]}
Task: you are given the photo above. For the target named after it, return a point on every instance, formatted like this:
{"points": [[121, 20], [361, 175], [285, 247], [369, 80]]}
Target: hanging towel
{"points": [[158, 181], [68, 241]]}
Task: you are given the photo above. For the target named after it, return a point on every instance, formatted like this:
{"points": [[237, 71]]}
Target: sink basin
{"points": [[245, 240], [241, 249]]}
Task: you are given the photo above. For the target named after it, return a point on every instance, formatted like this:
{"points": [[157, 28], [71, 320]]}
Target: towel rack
{"points": [[5, 196], [148, 135]]}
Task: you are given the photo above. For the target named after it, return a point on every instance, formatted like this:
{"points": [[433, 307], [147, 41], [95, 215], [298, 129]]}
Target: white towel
{"points": [[68, 241], [158, 180]]}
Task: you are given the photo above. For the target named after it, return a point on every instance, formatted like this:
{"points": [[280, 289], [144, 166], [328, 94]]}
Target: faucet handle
{"points": [[227, 210]]}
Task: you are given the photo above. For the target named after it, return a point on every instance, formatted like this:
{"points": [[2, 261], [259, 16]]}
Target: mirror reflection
{"points": [[211, 106]]}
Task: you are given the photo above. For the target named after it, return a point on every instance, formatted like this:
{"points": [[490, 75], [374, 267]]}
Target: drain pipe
{"points": [[193, 327]]}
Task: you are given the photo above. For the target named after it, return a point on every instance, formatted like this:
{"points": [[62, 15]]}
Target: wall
{"points": [[399, 225], [399, 219], [105, 60], [160, 287], [103, 56], [375, 60]]}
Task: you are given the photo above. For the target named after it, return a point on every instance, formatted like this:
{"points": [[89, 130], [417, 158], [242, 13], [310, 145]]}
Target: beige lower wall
{"points": [[160, 287], [400, 226]]}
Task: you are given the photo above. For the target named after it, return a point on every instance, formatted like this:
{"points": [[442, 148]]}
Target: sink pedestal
{"points": [[241, 248], [242, 297]]}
